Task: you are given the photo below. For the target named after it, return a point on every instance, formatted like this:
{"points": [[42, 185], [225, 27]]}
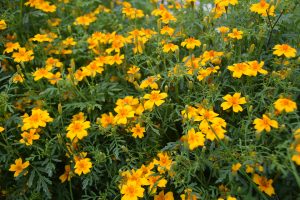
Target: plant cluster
{"points": [[154, 99]]}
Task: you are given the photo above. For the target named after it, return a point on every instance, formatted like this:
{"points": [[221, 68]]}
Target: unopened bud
{"points": [[59, 108], [251, 48]]}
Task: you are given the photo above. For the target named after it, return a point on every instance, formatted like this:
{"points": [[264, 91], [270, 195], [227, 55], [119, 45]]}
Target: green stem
{"points": [[70, 188]]}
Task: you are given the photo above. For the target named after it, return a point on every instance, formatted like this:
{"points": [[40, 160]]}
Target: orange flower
{"points": [[138, 131], [170, 47], [264, 124], [155, 98], [83, 165], [195, 139], [191, 43], [284, 49], [67, 175], [236, 34], [123, 113], [234, 102], [286, 105], [22, 55], [264, 184], [27, 138], [18, 167], [238, 69]]}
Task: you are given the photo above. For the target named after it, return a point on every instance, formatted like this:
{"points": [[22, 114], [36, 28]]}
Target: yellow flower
{"points": [[155, 97], [284, 49], [83, 165], [167, 30], [235, 167], [132, 192], [106, 120], [236, 34], [164, 163], [296, 155], [42, 38], [254, 67], [231, 198], [264, 124], [264, 184], [10, 47], [156, 181], [22, 55], [226, 2], [138, 131], [69, 42], [188, 195], [263, 8], [38, 118], [195, 139], [133, 70], [27, 138], [238, 69], [54, 78], [149, 82], [166, 17], [18, 167], [123, 112], [67, 175], [191, 43], [287, 105], [1, 129], [41, 73], [163, 196], [170, 47], [234, 102], [223, 29], [78, 129], [3, 25]]}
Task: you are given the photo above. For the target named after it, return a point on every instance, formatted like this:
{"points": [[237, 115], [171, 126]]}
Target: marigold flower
{"points": [[156, 181], [41, 73], [106, 120], [149, 82], [138, 131], [10, 47], [167, 30], [3, 25], [191, 43], [164, 163], [287, 105], [254, 67], [83, 165], [132, 192], [155, 98], [195, 139], [236, 34], [27, 138], [238, 69], [38, 118], [123, 112], [264, 184], [265, 124], [166, 17], [235, 167], [284, 49], [223, 29], [18, 167], [67, 175], [170, 47], [22, 55], [234, 102], [1, 129], [163, 196], [263, 8], [78, 129], [188, 195]]}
